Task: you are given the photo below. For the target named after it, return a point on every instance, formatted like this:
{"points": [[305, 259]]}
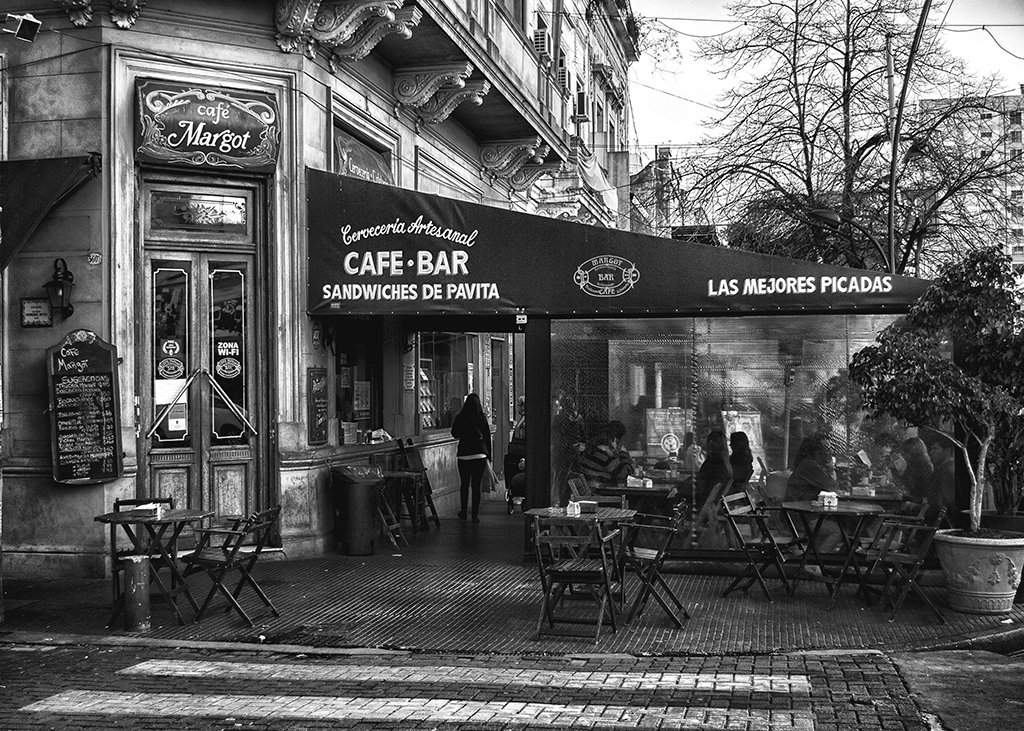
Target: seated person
{"points": [[716, 469], [741, 459], [810, 475], [603, 462], [941, 491]]}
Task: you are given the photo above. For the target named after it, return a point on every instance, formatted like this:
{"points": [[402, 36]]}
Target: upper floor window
{"points": [[1015, 135], [1014, 117], [515, 9], [986, 114]]}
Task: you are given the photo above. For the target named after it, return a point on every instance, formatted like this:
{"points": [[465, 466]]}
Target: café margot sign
{"points": [[211, 127]]}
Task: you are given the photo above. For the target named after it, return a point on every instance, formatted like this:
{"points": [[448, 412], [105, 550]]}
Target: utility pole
{"points": [[895, 136]]}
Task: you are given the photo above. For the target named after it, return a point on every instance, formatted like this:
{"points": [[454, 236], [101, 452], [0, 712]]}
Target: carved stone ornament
{"points": [[329, 23], [504, 159], [372, 32], [79, 11], [527, 175], [125, 13], [415, 86], [443, 103]]}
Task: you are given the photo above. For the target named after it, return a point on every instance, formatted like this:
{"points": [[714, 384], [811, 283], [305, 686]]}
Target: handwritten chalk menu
{"points": [[85, 417]]}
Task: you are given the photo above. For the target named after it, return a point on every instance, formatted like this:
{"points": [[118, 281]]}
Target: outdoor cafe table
{"points": [[150, 534], [657, 499], [606, 516], [848, 512]]}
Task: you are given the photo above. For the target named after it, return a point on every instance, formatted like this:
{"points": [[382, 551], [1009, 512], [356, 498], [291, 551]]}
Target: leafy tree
{"points": [[974, 307], [805, 127]]}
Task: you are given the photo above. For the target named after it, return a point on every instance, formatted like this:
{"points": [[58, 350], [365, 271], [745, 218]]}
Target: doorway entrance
{"points": [[203, 426]]}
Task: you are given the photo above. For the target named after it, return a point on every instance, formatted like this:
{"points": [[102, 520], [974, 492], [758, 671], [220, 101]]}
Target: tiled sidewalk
{"points": [[465, 588]]}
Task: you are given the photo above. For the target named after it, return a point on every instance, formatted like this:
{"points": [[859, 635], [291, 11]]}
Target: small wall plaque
{"points": [[36, 312]]}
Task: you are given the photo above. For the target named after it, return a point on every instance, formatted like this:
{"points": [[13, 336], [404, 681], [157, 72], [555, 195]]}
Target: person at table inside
{"points": [[811, 473], [941, 492], [715, 470], [692, 454], [914, 468], [604, 462], [741, 459]]}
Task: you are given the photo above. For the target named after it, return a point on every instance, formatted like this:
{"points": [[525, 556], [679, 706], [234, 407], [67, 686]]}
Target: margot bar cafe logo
{"points": [[606, 276]]}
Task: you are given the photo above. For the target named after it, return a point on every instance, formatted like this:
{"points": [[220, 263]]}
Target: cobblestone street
{"points": [[89, 687]]}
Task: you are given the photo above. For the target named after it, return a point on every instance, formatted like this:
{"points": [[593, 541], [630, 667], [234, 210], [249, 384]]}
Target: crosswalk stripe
{"points": [[398, 710], [603, 680]]}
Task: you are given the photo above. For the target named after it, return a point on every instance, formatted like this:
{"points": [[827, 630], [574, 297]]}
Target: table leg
{"points": [[850, 560], [178, 583], [811, 547]]}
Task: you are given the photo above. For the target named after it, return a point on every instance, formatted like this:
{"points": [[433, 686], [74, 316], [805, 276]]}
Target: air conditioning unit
{"points": [[540, 45]]}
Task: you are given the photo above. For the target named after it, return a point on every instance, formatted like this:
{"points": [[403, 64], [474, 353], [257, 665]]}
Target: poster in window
{"points": [[361, 399], [316, 395], [748, 422]]}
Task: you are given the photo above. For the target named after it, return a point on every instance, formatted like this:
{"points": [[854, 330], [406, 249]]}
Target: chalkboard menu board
{"points": [[85, 416], [316, 395]]}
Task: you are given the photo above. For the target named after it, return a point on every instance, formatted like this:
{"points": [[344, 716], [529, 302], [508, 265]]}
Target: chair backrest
{"points": [[556, 538], [652, 531], [410, 454], [129, 503], [579, 487], [747, 523]]}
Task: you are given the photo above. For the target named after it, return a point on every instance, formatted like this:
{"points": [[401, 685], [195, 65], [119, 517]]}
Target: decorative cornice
{"points": [[527, 175], [125, 13], [414, 87], [372, 32], [329, 23], [79, 11], [505, 158], [443, 103]]}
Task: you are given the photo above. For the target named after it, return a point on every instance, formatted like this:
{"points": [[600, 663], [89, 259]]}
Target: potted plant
{"points": [[952, 366]]}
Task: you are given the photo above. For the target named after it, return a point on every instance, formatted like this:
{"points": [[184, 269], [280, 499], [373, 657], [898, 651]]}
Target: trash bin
{"points": [[354, 492]]}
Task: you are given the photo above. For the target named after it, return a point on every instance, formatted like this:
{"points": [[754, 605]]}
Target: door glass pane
{"points": [[228, 352], [198, 212], [171, 320]]}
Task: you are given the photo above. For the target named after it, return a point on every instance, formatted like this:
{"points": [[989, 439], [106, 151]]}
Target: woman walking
{"points": [[474, 452]]}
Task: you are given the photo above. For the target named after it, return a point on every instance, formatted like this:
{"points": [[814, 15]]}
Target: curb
{"points": [[1002, 641]]}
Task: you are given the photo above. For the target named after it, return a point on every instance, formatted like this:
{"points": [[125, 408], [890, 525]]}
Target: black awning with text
{"points": [[31, 189], [377, 249]]}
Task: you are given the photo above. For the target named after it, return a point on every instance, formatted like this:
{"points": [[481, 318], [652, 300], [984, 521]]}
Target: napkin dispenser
{"points": [[829, 500]]}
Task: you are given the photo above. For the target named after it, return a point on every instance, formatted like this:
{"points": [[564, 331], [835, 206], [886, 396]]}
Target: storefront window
{"points": [[359, 372], [778, 379], [446, 376]]}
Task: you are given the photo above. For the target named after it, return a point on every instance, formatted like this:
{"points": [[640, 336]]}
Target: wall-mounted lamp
{"points": [[59, 288], [24, 27]]}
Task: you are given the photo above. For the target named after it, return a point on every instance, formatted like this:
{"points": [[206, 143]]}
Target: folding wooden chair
{"points": [[117, 555], [645, 543], [763, 544], [566, 560], [413, 462], [580, 489], [900, 558], [222, 551]]}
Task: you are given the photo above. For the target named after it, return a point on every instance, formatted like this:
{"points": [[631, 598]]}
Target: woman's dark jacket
{"points": [[474, 434]]}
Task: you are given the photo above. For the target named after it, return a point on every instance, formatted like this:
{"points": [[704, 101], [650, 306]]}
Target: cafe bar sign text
{"points": [[210, 127]]}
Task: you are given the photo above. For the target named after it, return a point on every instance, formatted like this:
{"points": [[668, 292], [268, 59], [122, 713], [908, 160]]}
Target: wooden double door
{"points": [[203, 426]]}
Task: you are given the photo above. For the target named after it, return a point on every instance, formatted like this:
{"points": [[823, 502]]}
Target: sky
{"points": [[668, 102]]}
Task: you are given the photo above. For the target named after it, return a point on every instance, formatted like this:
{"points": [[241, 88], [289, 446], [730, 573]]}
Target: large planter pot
{"points": [[982, 574], [996, 521]]}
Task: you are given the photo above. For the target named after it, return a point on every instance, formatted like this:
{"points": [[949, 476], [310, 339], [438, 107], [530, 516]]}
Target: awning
{"points": [[377, 249], [31, 189]]}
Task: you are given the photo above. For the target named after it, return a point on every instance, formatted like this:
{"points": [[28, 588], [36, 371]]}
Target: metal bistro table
{"points": [[604, 515], [656, 500], [857, 513], [155, 539]]}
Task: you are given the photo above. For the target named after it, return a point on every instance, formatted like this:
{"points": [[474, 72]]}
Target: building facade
{"points": [[188, 249]]}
